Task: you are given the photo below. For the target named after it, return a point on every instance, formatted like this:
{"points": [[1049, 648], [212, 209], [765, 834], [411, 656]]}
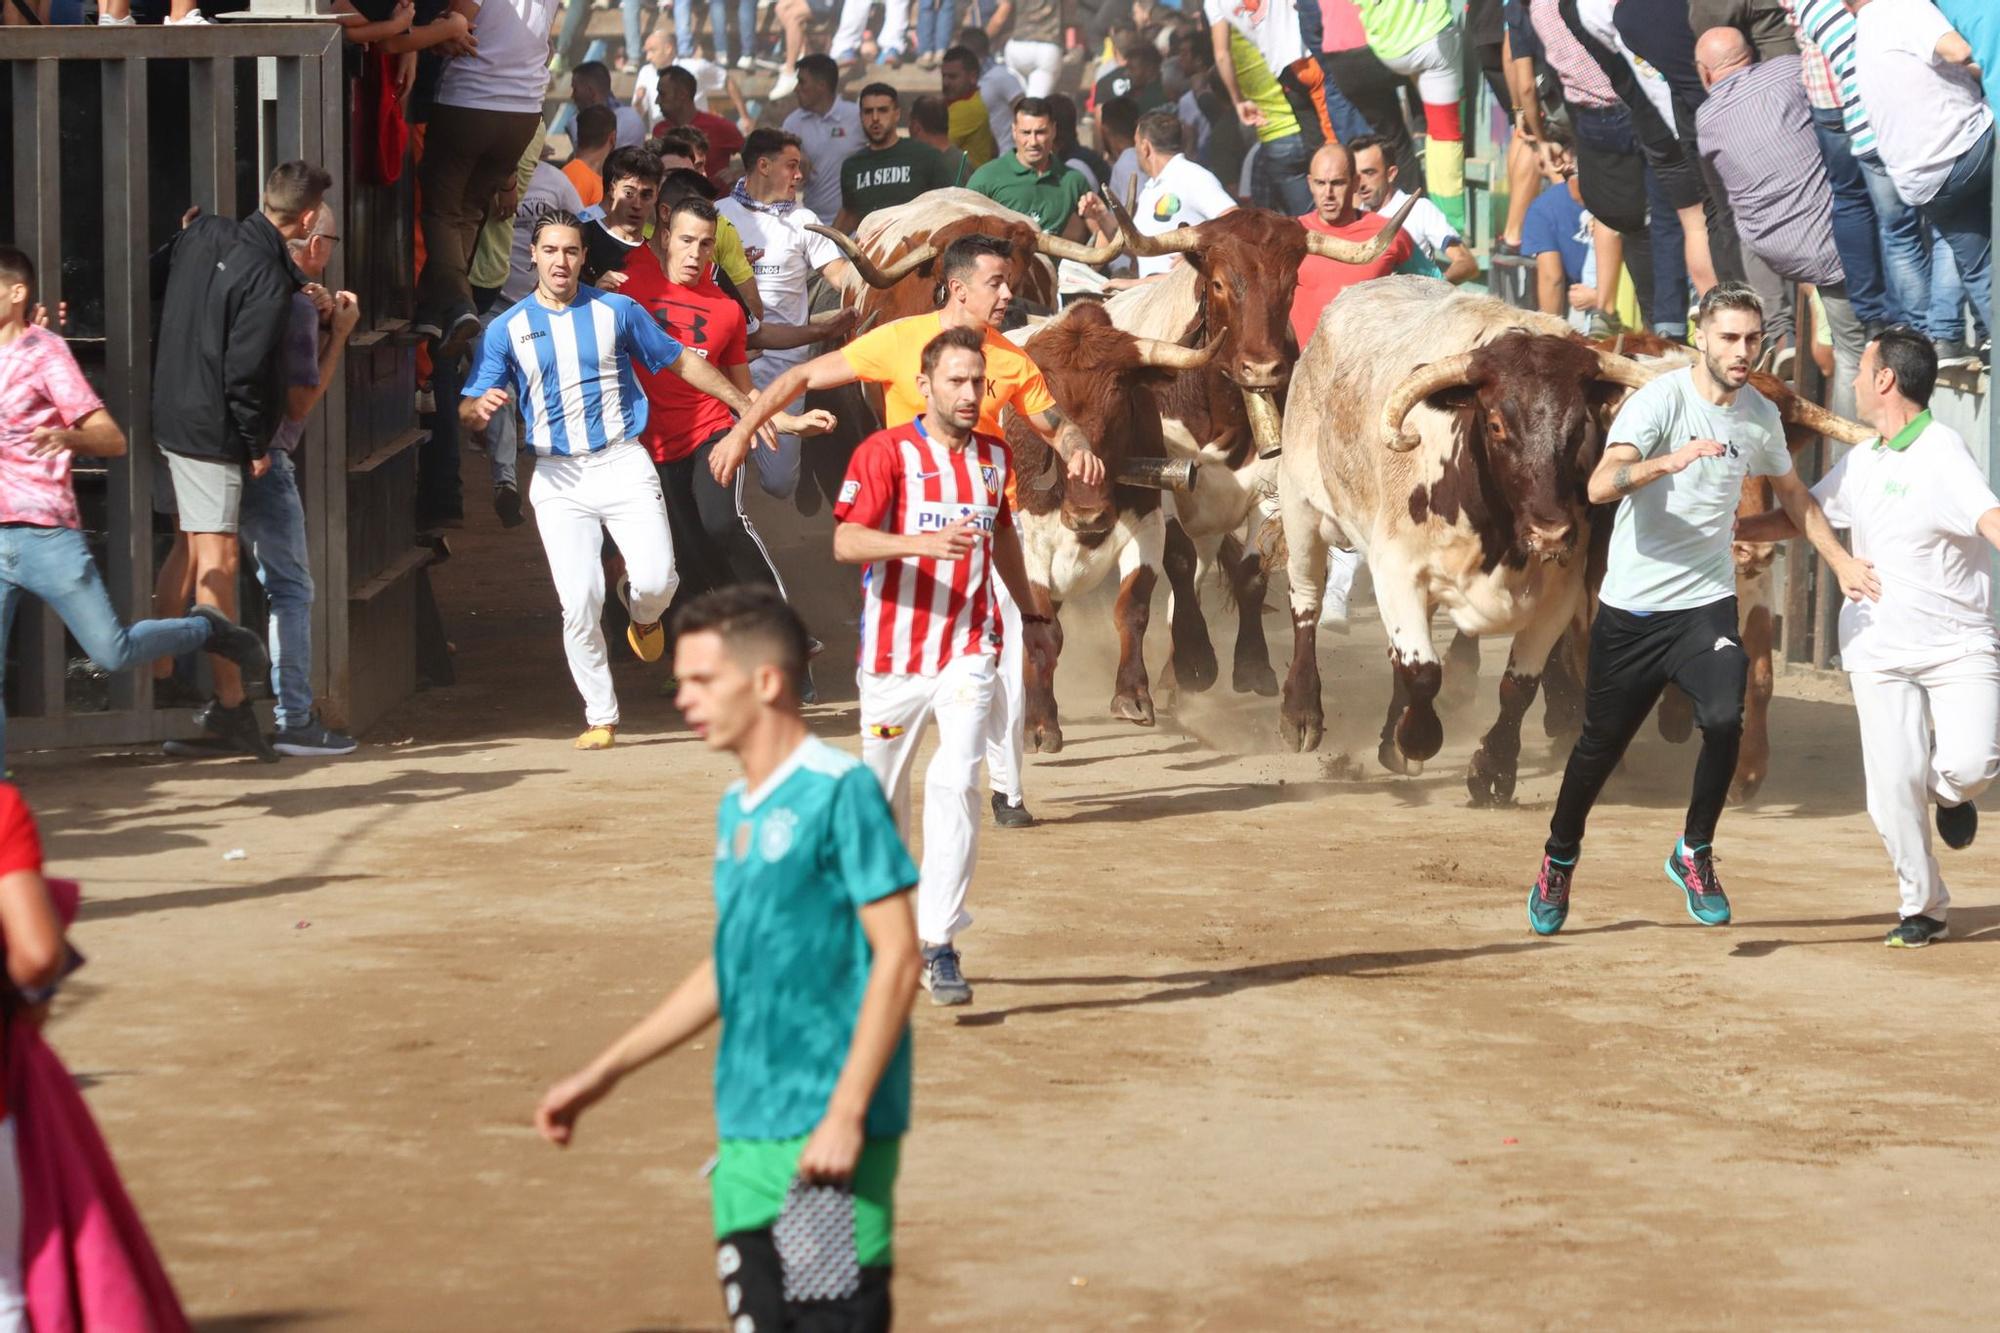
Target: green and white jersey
{"points": [[795, 860]]}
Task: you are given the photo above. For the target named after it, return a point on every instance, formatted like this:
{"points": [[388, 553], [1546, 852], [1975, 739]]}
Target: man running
{"points": [[1678, 453], [812, 974], [565, 352], [925, 509], [973, 272], [1924, 660]]}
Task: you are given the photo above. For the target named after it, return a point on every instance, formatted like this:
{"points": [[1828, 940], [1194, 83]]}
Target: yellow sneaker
{"points": [[648, 641], [597, 738]]}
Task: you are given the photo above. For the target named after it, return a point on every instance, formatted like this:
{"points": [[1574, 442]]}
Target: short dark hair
{"points": [[820, 68], [1907, 351], [682, 183], [1037, 107], [974, 39], [964, 57], [1162, 129], [680, 78], [592, 72], [294, 188], [695, 204], [962, 256], [1728, 296], [766, 142], [880, 90], [1120, 115], [555, 217], [1363, 141], [595, 126], [757, 626], [634, 162], [1138, 49], [965, 340], [15, 266], [928, 113], [686, 140]]}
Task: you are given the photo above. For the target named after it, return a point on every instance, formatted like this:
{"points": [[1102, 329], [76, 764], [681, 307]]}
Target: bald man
{"points": [[1756, 133]]}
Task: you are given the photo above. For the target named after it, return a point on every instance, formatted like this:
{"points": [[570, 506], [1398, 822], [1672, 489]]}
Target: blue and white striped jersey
{"points": [[571, 370]]}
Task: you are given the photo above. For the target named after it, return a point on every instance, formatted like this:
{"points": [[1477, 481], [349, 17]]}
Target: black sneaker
{"points": [[451, 348], [507, 504], [313, 740], [1008, 814], [239, 727], [1914, 932], [233, 643], [1958, 825]]}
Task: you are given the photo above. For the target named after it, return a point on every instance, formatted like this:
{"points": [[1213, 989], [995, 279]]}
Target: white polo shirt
{"points": [[1184, 194], [827, 139], [1428, 227], [782, 254], [1914, 511]]}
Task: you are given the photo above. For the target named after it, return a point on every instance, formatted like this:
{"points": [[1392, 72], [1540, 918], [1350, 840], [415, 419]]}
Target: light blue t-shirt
{"points": [[1978, 21], [794, 861], [1670, 543]]}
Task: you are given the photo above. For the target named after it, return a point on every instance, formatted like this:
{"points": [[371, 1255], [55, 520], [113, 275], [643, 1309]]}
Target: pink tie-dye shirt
{"points": [[40, 385]]}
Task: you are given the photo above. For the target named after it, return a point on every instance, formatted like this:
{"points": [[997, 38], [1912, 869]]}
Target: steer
{"points": [[1105, 382], [1236, 285], [1445, 436]]}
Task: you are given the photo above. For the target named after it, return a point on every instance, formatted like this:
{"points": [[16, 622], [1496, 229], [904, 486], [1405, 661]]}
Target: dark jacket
{"points": [[218, 382]]}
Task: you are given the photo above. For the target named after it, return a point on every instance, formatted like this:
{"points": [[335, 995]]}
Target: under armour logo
{"points": [[699, 328]]}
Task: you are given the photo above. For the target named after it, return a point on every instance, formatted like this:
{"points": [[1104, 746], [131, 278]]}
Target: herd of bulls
{"points": [[1444, 434]]}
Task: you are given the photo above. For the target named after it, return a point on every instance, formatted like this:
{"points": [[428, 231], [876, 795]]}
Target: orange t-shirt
{"points": [[589, 185], [892, 355]]}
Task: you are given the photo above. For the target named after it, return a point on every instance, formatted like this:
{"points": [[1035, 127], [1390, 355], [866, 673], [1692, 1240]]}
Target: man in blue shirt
{"points": [[813, 973], [564, 352]]}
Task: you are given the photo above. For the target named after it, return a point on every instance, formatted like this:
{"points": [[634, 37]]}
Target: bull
{"points": [[1237, 285], [1106, 381], [1450, 437]]}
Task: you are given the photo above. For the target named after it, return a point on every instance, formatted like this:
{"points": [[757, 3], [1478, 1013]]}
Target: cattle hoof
{"points": [[1419, 735], [1136, 708], [1196, 668], [1301, 735], [1745, 789], [1045, 739], [1491, 785], [1255, 678], [1395, 761]]}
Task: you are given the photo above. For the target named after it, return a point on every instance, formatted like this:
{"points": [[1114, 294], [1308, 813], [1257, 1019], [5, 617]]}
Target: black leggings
{"points": [[715, 544], [1632, 659], [753, 1292]]}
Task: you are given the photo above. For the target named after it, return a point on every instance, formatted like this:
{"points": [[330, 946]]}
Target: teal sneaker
{"points": [[1548, 901], [1693, 870]]}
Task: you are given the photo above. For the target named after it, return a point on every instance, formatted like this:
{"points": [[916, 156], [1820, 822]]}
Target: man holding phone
{"points": [[812, 973]]}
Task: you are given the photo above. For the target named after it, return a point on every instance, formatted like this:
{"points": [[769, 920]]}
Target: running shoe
{"points": [[649, 642], [451, 348], [787, 84], [233, 643], [1958, 825], [1693, 870], [1011, 814], [314, 740], [597, 738], [239, 728], [1548, 901], [942, 977], [1914, 932]]}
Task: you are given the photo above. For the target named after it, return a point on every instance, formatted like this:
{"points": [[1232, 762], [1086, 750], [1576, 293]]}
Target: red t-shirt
{"points": [[20, 843], [919, 614], [724, 141], [680, 418], [1320, 280]]}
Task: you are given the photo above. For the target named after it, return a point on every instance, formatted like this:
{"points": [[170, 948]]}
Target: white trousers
{"points": [[1435, 68], [1036, 64], [894, 712], [778, 470], [576, 500], [1931, 734], [1341, 567], [13, 1290], [1006, 725]]}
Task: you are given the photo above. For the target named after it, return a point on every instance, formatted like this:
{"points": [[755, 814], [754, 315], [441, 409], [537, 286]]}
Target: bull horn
{"points": [[871, 272], [1624, 370], [1062, 247], [1418, 385], [1175, 242], [1805, 412], [1342, 251], [1172, 356]]}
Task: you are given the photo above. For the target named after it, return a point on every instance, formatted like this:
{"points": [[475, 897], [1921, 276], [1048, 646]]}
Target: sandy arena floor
{"points": [[1256, 1045]]}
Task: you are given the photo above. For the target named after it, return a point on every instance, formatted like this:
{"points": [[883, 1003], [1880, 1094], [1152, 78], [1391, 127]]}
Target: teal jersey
{"points": [[795, 860]]}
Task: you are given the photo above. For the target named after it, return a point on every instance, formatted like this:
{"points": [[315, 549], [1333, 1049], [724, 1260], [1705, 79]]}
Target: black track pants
{"points": [[1632, 659]]}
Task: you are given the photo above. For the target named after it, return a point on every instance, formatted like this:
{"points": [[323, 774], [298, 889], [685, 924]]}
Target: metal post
{"points": [[129, 380]]}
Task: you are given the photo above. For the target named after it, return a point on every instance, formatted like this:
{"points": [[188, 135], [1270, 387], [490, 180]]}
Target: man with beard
{"points": [[889, 170]]}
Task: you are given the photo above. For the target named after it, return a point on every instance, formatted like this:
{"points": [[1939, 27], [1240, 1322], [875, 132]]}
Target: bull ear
{"points": [[1455, 398]]}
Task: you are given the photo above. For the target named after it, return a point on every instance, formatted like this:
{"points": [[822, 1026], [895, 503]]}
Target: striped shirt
{"points": [[1756, 132], [1821, 88], [570, 370], [1584, 82], [1828, 25], [918, 614]]}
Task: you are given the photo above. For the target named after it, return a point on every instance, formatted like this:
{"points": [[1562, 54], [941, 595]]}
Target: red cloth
{"points": [[679, 417], [724, 142], [1320, 280], [85, 1255]]}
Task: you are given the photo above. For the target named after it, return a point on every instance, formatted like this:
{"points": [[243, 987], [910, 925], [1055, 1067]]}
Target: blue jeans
{"points": [[718, 28], [1671, 288], [1854, 234], [1962, 211], [55, 565], [933, 26], [272, 526], [1906, 258], [1278, 177]]}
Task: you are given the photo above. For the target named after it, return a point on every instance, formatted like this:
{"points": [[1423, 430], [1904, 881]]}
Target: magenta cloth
{"points": [[40, 386], [88, 1264]]}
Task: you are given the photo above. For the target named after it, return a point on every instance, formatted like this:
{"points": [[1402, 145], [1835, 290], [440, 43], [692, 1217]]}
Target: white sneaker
{"points": [[195, 18], [787, 84], [106, 21]]}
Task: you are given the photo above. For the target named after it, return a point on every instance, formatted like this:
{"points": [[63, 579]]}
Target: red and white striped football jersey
{"points": [[919, 614]]}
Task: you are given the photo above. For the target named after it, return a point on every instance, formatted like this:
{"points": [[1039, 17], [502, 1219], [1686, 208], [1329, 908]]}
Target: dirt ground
{"points": [[1257, 1044]]}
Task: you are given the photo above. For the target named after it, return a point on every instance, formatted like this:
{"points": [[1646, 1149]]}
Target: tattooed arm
{"points": [[1621, 471]]}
